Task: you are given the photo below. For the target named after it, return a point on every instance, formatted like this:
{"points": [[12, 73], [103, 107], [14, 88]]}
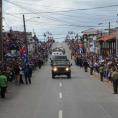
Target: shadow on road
{"points": [[61, 77]]}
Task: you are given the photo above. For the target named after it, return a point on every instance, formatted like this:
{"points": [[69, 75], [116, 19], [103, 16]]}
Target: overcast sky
{"points": [[59, 23]]}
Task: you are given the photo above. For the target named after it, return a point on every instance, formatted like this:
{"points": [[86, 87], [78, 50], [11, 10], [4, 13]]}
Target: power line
{"points": [[38, 12], [60, 14], [61, 21], [68, 23], [20, 6], [69, 10], [6, 22], [53, 18], [26, 2], [14, 16], [30, 3]]}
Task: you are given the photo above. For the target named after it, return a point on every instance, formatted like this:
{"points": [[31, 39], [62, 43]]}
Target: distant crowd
{"points": [[105, 66], [18, 65]]}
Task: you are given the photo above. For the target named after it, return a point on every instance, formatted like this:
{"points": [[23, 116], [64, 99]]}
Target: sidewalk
{"points": [[97, 76]]}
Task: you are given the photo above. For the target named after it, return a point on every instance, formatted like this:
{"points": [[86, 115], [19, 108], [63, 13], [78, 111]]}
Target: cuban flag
{"points": [[23, 50]]}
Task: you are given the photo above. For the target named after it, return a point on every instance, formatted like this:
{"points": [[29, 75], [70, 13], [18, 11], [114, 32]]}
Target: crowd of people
{"points": [[105, 66], [18, 65]]}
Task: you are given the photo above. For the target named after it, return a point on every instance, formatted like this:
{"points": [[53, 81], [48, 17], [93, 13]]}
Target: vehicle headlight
{"points": [[55, 69], [67, 69]]}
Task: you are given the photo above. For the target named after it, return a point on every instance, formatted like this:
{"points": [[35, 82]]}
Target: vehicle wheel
{"points": [[53, 76], [69, 76]]}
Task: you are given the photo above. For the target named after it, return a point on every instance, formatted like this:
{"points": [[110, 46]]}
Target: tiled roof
{"points": [[108, 37], [90, 31]]}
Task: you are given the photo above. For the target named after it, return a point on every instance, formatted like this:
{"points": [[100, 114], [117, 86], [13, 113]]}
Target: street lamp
{"points": [[100, 23], [31, 18], [24, 24], [1, 39], [117, 41], [100, 28]]}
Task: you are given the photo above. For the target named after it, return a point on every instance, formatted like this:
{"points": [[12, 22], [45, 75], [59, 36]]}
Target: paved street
{"points": [[83, 96]]}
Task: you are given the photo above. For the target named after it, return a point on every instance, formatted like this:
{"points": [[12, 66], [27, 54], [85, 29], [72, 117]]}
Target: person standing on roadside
{"points": [[21, 75], [17, 74], [91, 68], [115, 80], [3, 84], [101, 70], [39, 63], [28, 73], [85, 64]]}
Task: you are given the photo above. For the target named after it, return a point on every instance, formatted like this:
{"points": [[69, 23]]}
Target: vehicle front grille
{"points": [[61, 69]]}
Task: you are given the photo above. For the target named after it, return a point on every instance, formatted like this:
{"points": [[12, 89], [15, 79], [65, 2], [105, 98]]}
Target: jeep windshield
{"points": [[59, 58], [61, 63]]}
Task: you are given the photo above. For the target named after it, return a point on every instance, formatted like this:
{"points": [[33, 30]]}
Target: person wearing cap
{"points": [[3, 84]]}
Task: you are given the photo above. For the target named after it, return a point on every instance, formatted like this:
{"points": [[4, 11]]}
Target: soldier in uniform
{"points": [[101, 70], [85, 64], [91, 68], [115, 80]]}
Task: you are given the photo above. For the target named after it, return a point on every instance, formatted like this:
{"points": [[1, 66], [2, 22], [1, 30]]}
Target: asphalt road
{"points": [[83, 96]]}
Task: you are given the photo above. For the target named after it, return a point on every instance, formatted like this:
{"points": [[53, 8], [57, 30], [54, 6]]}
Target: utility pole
{"points": [[26, 42], [117, 43], [1, 39], [109, 28]]}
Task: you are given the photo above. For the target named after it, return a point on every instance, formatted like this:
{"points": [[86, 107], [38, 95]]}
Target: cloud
{"points": [[57, 22]]}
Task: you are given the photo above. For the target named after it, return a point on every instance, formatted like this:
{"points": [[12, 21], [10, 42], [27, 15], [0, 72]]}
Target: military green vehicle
{"points": [[61, 67]]}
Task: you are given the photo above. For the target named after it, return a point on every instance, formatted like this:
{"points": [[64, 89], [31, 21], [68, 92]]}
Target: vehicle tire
{"points": [[53, 76], [69, 76]]}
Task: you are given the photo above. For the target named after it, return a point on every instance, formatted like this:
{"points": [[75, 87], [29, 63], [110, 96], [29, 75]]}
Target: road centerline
{"points": [[60, 114], [60, 95], [60, 84]]}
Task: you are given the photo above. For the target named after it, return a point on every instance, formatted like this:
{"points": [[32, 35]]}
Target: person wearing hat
{"points": [[115, 80], [3, 84]]}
